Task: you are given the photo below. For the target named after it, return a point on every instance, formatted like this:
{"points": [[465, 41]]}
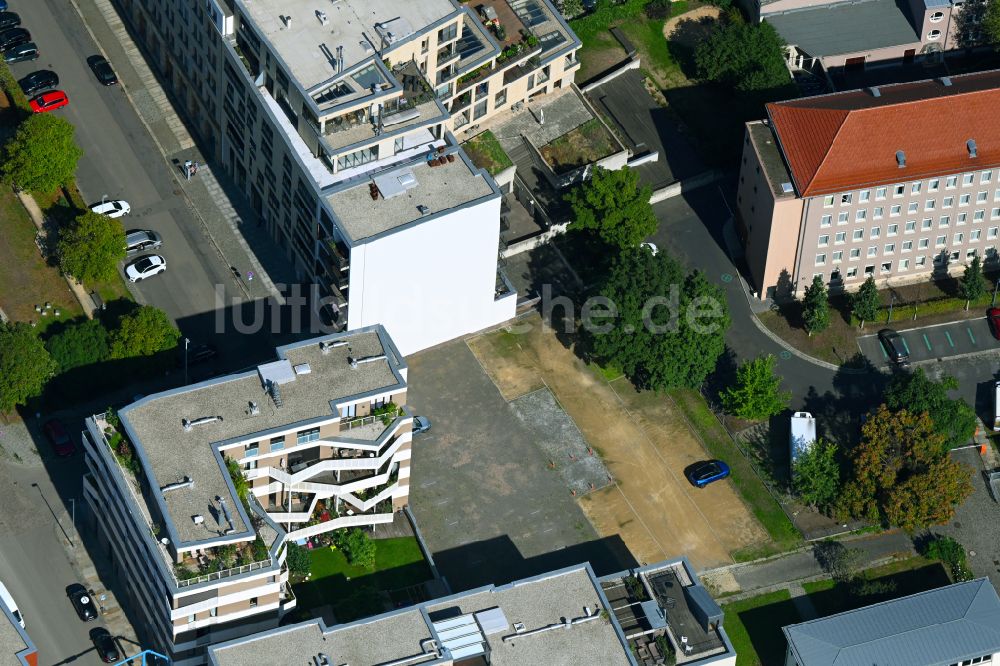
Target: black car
{"points": [[104, 642], [9, 20], [13, 37], [894, 346], [102, 70], [82, 602], [21, 53], [36, 82]]}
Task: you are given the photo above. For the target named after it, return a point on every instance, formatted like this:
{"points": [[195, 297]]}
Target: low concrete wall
{"points": [[653, 156], [505, 177], [681, 186], [531, 242], [618, 71]]}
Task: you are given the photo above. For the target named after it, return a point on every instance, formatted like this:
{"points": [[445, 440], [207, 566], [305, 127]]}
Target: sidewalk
{"points": [[234, 230]]}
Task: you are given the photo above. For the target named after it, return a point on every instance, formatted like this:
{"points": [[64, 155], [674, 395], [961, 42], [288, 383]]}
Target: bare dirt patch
{"points": [[703, 17]]}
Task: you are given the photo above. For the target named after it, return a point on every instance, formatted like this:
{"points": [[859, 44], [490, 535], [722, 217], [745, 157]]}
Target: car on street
{"points": [[145, 267], [36, 82], [14, 37], [116, 208], [137, 240], [21, 53], [894, 346], [84, 606], [102, 70], [55, 431], [49, 101], [104, 643], [705, 472], [993, 317], [9, 20], [421, 424], [7, 600]]}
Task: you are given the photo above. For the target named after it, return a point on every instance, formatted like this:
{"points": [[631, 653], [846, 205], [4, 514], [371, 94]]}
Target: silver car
{"points": [[137, 240]]}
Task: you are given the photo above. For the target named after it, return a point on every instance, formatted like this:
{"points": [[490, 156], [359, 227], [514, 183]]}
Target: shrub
{"points": [[658, 9], [79, 345], [359, 548], [876, 587], [298, 561], [951, 553]]}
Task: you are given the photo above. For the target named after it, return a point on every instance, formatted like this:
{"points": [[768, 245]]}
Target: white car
{"points": [[116, 208], [145, 267], [651, 247], [8, 601]]}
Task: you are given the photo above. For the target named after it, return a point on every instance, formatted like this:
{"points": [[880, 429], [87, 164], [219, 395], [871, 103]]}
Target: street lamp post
{"points": [[187, 343], [995, 287]]}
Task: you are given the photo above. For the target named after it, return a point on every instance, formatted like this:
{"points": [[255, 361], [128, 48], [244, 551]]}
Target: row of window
{"points": [[904, 265], [878, 212], [986, 658], [907, 246], [899, 190], [839, 238]]}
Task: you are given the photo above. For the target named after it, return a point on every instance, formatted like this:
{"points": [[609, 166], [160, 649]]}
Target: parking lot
{"points": [[935, 343]]}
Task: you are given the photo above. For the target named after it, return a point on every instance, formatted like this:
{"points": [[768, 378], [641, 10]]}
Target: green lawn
{"points": [[905, 577], [354, 591], [486, 153], [754, 627], [720, 445], [586, 144]]}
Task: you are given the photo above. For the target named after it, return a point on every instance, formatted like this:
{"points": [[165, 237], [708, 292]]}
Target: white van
{"points": [[8, 601], [803, 435]]}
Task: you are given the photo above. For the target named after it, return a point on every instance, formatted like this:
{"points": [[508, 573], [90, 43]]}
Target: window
{"points": [[828, 201], [446, 34], [251, 449], [876, 232], [982, 196], [859, 234], [934, 35], [873, 251], [986, 177], [253, 602], [886, 266], [889, 248], [864, 195], [934, 185], [952, 182], [929, 204], [880, 193], [975, 234], [962, 217], [904, 264], [957, 238], [838, 256], [357, 158], [835, 275], [964, 200], [213, 612], [277, 443], [907, 246], [947, 202], [923, 243], [943, 222], [846, 198], [825, 220], [500, 99], [878, 212], [993, 233], [936, 17], [911, 226], [855, 253], [190, 619], [842, 217], [820, 259], [824, 240], [979, 216], [841, 237], [920, 261], [898, 190], [915, 188], [852, 272], [306, 436], [893, 229], [968, 179], [912, 208], [953, 256], [861, 215], [895, 210], [941, 241], [869, 270], [970, 253], [348, 411], [995, 213]]}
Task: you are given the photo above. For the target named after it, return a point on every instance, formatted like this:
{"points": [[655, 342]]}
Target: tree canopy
{"points": [[915, 392], [865, 301], [669, 327], [79, 345], [972, 285], [757, 393], [816, 307], [978, 24], [91, 247], [25, 365], [746, 56], [143, 332], [615, 206], [41, 155], [816, 475], [901, 474]]}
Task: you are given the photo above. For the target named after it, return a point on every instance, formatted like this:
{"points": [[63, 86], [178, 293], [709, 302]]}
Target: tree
{"points": [[298, 560], [842, 563], [972, 285], [613, 204], [25, 365], [358, 547], [666, 329], [757, 394], [143, 332], [240, 482], [991, 23], [865, 302], [901, 474], [91, 247], [978, 24], [816, 307], [915, 392], [41, 155], [816, 475], [571, 8], [746, 56], [79, 345]]}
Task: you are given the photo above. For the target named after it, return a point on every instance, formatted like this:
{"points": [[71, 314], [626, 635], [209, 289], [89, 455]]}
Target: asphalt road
{"points": [[938, 342]]}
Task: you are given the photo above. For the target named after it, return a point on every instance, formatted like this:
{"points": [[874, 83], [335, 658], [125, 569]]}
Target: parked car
{"points": [[49, 101], [82, 603], [421, 424], [8, 601], [14, 37], [36, 82], [651, 247], [59, 438], [895, 347], [21, 53], [102, 70], [3, 5], [104, 643], [144, 267], [993, 317], [137, 240], [705, 472], [116, 208], [9, 20]]}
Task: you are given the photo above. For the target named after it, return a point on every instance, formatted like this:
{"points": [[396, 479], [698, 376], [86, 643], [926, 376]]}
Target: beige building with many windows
{"points": [[898, 182], [321, 442]]}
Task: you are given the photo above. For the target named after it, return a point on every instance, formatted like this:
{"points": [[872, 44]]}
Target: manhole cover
{"points": [[177, 193], [785, 354], [726, 277], [958, 525]]}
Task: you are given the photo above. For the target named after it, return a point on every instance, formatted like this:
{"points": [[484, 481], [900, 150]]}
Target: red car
{"points": [[56, 433], [993, 315], [49, 101]]}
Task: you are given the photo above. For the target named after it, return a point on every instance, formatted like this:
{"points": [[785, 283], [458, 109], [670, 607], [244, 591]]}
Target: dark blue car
{"points": [[703, 473]]}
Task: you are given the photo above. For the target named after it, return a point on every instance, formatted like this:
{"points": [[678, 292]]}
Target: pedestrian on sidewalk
{"points": [[187, 169]]}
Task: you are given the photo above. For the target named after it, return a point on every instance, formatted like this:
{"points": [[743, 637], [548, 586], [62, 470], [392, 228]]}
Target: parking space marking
{"points": [[950, 342], [971, 336], [905, 346], [926, 342]]}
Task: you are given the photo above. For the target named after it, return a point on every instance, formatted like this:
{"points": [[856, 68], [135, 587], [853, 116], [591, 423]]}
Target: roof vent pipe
{"points": [[225, 512], [900, 159], [971, 145], [186, 482], [188, 425], [946, 81], [875, 91]]}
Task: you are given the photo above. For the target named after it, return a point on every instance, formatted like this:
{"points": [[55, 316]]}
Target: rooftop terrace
{"points": [[170, 452]]}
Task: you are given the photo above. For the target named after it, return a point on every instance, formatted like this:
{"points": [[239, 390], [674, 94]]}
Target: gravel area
{"points": [[18, 445]]}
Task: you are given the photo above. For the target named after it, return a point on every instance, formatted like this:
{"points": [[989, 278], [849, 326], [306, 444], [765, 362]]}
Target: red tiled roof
{"points": [[847, 140]]}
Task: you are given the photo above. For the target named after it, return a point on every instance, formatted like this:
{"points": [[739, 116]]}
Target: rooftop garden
{"points": [[486, 153], [224, 560], [584, 145]]}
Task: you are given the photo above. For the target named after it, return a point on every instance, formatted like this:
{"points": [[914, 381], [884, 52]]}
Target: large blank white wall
{"points": [[431, 282]]}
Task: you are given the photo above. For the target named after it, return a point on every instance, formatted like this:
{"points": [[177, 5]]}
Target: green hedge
{"points": [[13, 90]]}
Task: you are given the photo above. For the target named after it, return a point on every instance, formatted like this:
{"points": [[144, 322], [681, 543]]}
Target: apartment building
{"points": [[196, 490], [897, 182], [956, 625], [569, 616], [335, 120], [15, 642]]}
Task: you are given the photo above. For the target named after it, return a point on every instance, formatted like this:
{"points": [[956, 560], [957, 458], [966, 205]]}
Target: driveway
{"points": [[935, 343]]}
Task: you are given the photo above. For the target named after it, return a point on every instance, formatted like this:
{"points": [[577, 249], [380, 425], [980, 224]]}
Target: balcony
{"points": [[446, 54]]}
